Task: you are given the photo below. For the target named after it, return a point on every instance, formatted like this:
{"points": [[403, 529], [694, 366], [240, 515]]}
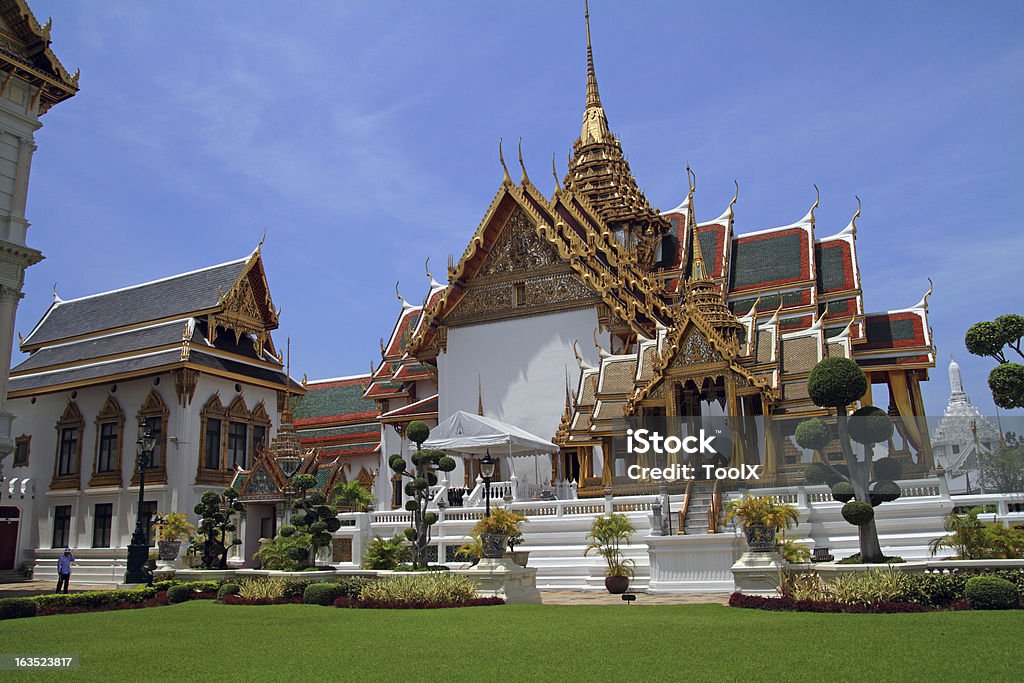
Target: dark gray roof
{"points": [[174, 296], [97, 372], [108, 345], [197, 357]]}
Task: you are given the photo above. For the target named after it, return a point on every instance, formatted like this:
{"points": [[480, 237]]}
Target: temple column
{"points": [[925, 447], [770, 454]]}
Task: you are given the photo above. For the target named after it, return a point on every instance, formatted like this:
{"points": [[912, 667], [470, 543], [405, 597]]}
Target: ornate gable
{"points": [[247, 307]]}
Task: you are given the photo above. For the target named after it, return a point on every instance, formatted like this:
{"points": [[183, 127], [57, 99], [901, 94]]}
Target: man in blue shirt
{"points": [[64, 569]]}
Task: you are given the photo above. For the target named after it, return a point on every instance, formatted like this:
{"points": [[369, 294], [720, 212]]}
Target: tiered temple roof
{"points": [[216, 320]]}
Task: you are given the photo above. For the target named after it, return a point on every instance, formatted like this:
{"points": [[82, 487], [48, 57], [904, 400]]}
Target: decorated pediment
{"points": [[246, 308], [695, 349]]}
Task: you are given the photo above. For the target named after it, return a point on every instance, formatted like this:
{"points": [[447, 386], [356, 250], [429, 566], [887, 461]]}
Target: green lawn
{"points": [[205, 641]]}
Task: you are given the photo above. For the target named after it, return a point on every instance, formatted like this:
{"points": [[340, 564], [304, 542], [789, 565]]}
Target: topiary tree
{"points": [[426, 463], [314, 516], [215, 512], [992, 339], [863, 483]]}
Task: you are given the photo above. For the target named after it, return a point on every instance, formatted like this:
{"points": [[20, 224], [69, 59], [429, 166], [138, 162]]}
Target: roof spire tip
{"points": [[507, 179]]}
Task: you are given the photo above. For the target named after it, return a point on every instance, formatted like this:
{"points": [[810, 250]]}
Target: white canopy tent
{"points": [[470, 434]]}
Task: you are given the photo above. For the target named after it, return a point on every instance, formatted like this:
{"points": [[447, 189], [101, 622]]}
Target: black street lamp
{"points": [[138, 549], [487, 471]]}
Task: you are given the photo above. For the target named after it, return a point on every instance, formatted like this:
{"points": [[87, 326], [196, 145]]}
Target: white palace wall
{"points": [[520, 367]]}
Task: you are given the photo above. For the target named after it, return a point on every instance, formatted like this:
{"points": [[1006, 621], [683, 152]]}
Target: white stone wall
{"points": [[521, 365], [179, 494]]}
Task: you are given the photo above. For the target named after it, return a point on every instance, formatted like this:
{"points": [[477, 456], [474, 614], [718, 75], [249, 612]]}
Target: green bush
{"points": [[814, 434], [323, 593], [870, 425], [352, 587], [176, 594], [836, 383], [17, 608], [842, 491], [386, 553], [991, 592], [886, 490], [93, 599], [887, 468], [427, 587], [292, 589], [228, 589], [858, 513]]}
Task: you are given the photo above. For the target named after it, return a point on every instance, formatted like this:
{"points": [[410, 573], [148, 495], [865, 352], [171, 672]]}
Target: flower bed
{"points": [[787, 604], [239, 600], [368, 603]]}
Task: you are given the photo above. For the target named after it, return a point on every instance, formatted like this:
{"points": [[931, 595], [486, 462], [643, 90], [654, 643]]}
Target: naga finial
{"points": [[426, 267], [691, 178], [525, 180], [554, 172], [507, 179], [735, 196]]}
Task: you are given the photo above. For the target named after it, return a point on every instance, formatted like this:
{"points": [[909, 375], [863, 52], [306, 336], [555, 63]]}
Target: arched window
{"points": [[106, 470], [238, 435], [154, 413], [211, 442], [66, 466], [260, 430]]}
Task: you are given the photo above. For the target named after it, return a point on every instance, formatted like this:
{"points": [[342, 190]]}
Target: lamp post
{"points": [[487, 471], [138, 549]]}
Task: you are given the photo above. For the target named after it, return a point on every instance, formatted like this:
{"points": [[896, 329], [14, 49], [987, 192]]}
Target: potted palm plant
{"points": [[495, 531], [606, 536], [172, 527], [352, 496], [761, 518]]}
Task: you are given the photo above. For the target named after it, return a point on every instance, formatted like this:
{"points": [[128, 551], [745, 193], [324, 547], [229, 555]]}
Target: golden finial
{"points": [[399, 294], [21, 340], [817, 200], [923, 303], [382, 349], [426, 267], [576, 353], [262, 239], [593, 96], [853, 221], [554, 172], [305, 379], [735, 196], [507, 179], [57, 299], [525, 180], [691, 179]]}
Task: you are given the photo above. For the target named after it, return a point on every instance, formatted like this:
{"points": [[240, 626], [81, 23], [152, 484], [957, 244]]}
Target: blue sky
{"points": [[363, 137]]}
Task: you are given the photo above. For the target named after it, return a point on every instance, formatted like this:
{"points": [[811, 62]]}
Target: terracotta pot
{"points": [[494, 544], [760, 538], [616, 585]]}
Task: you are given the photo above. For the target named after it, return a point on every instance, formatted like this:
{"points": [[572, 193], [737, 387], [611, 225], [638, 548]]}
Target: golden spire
{"points": [[286, 411], [593, 96], [595, 122]]}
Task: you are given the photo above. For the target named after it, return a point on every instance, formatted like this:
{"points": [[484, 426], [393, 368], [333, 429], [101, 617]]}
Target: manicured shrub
{"points": [[292, 589], [887, 468], [858, 513], [816, 472], [176, 594], [427, 587], [886, 490], [352, 587], [991, 592], [855, 559], [228, 589], [842, 491], [94, 599], [17, 608], [392, 604], [323, 593]]}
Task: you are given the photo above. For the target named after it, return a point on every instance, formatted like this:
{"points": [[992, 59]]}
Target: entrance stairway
{"points": [[696, 521]]}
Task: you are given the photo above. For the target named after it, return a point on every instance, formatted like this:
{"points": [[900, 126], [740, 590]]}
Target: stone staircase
{"points": [[696, 521]]}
